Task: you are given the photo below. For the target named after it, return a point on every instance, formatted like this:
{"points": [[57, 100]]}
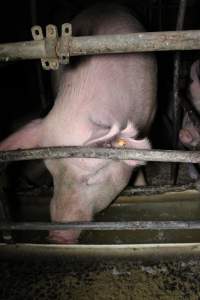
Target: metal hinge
{"points": [[56, 48]]}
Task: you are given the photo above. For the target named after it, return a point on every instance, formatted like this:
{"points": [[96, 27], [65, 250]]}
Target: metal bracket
{"points": [[64, 43], [51, 60], [57, 50]]}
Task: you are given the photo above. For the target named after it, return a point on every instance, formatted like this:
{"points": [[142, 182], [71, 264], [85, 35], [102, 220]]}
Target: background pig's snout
{"points": [[185, 136]]}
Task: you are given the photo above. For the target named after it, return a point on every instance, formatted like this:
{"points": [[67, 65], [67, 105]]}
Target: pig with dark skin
{"points": [[102, 101]]}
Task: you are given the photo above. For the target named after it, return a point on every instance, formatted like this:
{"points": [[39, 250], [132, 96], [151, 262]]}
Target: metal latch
{"points": [[57, 49]]}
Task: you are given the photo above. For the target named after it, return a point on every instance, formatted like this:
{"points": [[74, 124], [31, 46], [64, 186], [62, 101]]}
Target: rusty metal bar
{"points": [[155, 190], [176, 78], [181, 14], [101, 153], [5, 216], [136, 42], [102, 44], [33, 17], [22, 50], [130, 225], [141, 190]]}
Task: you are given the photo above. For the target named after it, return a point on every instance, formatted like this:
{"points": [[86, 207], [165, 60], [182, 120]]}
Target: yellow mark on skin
{"points": [[121, 142]]}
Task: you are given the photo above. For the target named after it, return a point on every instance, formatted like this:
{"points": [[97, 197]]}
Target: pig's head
{"points": [[189, 135], [83, 187]]}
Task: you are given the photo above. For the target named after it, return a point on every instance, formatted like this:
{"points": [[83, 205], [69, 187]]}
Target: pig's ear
{"points": [[28, 136], [126, 138], [104, 136], [132, 143]]}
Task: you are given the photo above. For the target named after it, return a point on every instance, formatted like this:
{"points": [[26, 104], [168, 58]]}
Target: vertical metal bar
{"points": [[4, 214], [176, 98], [34, 21], [160, 15], [181, 14], [149, 15]]}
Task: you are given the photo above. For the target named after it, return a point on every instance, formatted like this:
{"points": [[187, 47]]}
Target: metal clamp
{"points": [[63, 45], [51, 60], [57, 50]]}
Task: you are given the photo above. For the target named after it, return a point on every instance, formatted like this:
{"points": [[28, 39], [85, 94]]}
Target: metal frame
{"points": [[130, 225], [53, 50], [101, 153], [68, 45], [176, 96], [136, 191]]}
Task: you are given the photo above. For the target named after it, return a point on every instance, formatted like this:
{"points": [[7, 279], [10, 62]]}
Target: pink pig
{"points": [[105, 100]]}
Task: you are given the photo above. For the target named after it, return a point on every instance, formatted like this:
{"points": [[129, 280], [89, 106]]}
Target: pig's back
{"points": [[105, 18], [108, 88]]}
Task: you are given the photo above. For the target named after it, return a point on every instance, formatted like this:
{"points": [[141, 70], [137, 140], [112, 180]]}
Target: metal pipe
{"points": [[5, 216], [22, 50], [176, 78], [101, 153], [34, 21], [141, 190], [102, 44], [181, 14], [155, 190], [135, 42], [130, 225]]}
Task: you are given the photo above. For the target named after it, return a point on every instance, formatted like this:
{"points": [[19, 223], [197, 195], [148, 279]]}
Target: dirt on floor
{"points": [[99, 279]]}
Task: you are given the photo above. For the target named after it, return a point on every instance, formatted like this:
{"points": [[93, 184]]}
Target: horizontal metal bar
{"points": [[135, 42], [138, 190], [22, 50], [155, 190], [151, 252], [131, 225], [101, 153], [102, 44]]}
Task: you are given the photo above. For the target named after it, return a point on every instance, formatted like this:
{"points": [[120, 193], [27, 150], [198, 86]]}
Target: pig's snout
{"points": [[190, 137], [68, 209], [64, 237], [185, 136]]}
